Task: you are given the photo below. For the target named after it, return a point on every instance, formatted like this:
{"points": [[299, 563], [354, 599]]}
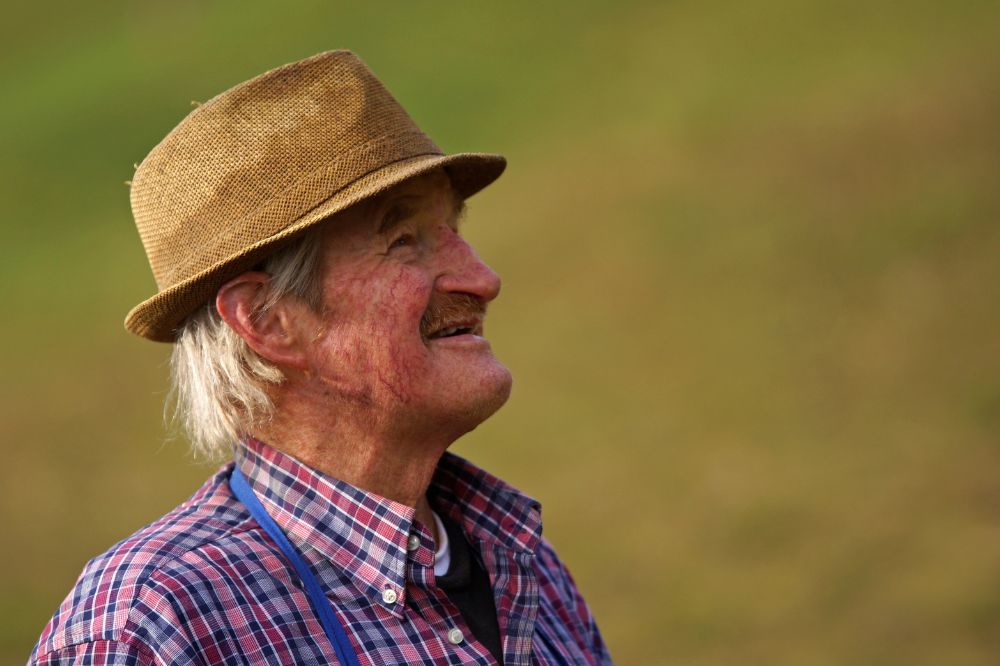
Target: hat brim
{"points": [[159, 317]]}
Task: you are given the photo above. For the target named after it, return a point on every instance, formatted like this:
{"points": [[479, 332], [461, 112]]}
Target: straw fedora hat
{"points": [[260, 163]]}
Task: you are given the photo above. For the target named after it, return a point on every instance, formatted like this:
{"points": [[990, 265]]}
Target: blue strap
{"points": [[331, 625]]}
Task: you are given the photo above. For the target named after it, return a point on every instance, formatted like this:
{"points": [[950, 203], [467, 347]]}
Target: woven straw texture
{"points": [[265, 160]]}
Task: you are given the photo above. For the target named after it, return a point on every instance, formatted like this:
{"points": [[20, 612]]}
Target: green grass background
{"points": [[752, 266]]}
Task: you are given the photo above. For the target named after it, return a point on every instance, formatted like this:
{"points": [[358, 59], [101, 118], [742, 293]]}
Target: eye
{"points": [[402, 241]]}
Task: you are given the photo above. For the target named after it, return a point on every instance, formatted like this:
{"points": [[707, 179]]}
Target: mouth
{"points": [[456, 328]]}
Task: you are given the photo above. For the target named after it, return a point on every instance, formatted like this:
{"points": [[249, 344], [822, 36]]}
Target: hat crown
{"points": [[252, 160]]}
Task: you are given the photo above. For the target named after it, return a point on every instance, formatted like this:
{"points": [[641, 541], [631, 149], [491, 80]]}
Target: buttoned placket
{"points": [[452, 631]]}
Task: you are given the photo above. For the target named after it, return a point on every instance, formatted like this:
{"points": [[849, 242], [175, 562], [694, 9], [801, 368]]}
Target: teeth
{"points": [[446, 332]]}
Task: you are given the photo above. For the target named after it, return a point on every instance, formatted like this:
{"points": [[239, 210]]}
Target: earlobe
{"points": [[269, 332]]}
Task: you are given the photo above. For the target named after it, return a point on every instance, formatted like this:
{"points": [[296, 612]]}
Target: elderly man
{"points": [[327, 321]]}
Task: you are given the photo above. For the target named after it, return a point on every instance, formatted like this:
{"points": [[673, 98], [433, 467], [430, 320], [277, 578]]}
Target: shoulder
{"points": [[564, 615], [556, 584], [120, 590]]}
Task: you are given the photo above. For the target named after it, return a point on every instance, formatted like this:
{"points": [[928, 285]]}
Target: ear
{"points": [[271, 333]]}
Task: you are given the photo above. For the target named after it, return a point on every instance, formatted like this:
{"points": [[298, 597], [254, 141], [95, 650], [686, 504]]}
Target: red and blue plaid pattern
{"points": [[205, 584]]}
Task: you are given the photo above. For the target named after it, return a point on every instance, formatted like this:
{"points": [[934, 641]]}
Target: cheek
{"points": [[374, 333], [379, 301], [393, 306]]}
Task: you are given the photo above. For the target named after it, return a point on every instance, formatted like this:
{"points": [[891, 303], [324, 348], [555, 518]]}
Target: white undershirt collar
{"points": [[442, 556]]}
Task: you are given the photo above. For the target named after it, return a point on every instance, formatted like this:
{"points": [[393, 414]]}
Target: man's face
{"points": [[400, 335]]}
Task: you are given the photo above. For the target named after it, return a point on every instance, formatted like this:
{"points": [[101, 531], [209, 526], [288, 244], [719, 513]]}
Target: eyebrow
{"points": [[402, 210]]}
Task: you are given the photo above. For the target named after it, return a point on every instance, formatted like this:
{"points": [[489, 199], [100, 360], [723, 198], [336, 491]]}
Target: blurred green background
{"points": [[752, 271]]}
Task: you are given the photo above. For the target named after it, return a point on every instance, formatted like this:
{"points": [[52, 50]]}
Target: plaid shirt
{"points": [[205, 584]]}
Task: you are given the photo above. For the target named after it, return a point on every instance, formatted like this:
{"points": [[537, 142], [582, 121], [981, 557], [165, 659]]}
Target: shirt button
{"points": [[413, 543], [455, 636], [389, 596]]}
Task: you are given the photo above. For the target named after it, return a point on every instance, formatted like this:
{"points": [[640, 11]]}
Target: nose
{"points": [[462, 271]]}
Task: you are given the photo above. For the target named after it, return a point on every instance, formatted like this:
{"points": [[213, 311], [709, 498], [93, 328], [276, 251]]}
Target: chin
{"points": [[480, 401], [498, 397]]}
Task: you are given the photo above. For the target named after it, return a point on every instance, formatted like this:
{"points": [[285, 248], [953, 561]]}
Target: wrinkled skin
{"points": [[378, 288], [374, 393]]}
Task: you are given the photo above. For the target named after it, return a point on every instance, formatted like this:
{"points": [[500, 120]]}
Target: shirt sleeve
{"points": [[95, 653], [151, 633]]}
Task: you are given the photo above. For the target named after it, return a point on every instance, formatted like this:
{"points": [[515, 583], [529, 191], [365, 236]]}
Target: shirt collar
{"points": [[487, 508], [364, 535]]}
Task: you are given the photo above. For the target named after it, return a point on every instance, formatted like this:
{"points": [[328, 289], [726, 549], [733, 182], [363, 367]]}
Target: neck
{"points": [[397, 464]]}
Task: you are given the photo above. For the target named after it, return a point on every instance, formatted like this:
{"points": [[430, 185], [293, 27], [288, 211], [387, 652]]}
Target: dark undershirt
{"points": [[467, 585]]}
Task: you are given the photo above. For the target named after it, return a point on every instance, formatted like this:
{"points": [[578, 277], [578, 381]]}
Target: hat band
{"points": [[293, 201]]}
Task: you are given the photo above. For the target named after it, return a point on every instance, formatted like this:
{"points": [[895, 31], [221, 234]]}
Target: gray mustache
{"points": [[450, 308]]}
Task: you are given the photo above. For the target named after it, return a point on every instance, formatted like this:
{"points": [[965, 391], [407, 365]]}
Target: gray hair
{"points": [[219, 385]]}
